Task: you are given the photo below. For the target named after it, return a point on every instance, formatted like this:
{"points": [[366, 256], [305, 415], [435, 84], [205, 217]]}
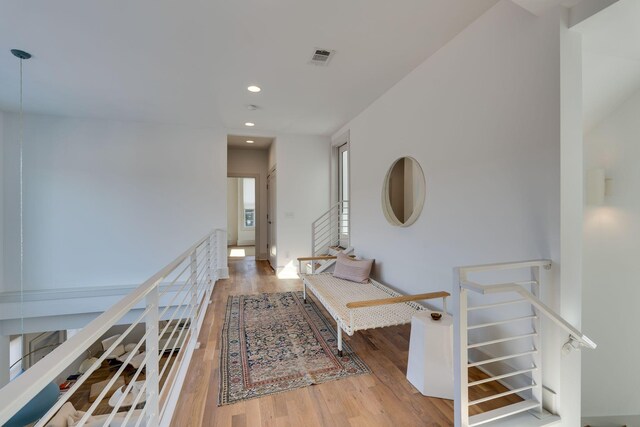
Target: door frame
{"points": [[258, 228], [273, 261], [336, 144]]}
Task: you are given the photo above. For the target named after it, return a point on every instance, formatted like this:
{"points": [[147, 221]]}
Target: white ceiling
{"points": [[240, 141], [190, 61], [611, 59]]}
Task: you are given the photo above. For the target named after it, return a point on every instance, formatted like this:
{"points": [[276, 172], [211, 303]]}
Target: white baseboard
{"points": [[617, 420]]}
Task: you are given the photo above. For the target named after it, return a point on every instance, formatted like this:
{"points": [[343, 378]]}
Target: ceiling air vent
{"points": [[322, 56]]}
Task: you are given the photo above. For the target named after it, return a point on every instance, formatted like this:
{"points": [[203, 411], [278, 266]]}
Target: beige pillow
{"points": [[60, 419], [74, 419], [354, 270], [117, 351]]}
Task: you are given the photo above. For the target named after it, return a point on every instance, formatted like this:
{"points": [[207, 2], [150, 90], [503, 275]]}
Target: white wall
{"points": [[108, 202], [612, 268], [254, 162], [302, 195], [232, 211], [567, 298], [461, 115], [482, 117], [1, 202], [272, 155]]}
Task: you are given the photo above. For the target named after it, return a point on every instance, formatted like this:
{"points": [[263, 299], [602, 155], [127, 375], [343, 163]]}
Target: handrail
{"points": [[16, 394], [400, 299], [546, 263], [533, 357], [533, 300]]}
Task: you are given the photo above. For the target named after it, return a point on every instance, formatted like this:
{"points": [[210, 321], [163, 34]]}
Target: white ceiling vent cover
{"points": [[322, 56]]}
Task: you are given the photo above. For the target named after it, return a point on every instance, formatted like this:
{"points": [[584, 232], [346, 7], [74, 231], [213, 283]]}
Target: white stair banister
{"points": [[530, 361], [332, 228]]}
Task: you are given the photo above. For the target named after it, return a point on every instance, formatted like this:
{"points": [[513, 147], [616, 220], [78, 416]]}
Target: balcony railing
{"points": [[168, 311]]}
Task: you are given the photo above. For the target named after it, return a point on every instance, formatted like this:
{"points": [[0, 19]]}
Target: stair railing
{"points": [[522, 370], [331, 229], [168, 310]]}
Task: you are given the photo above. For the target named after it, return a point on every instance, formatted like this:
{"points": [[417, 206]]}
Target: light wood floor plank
{"points": [[383, 398]]}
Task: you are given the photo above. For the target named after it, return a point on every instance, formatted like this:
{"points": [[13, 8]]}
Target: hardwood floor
{"points": [[384, 398]]}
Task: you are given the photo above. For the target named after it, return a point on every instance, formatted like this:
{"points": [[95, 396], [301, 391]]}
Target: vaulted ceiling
{"points": [[191, 61], [611, 59]]}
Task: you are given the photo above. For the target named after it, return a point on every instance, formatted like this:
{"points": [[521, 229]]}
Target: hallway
{"points": [[383, 398]]}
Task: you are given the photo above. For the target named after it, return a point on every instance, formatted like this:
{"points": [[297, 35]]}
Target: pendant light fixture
{"points": [[43, 401]]}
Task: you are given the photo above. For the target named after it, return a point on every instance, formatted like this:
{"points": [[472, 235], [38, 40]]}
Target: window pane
{"points": [[249, 218], [344, 175], [249, 192]]}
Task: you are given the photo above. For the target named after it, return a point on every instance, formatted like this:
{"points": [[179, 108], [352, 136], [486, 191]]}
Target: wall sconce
{"points": [[597, 186]]}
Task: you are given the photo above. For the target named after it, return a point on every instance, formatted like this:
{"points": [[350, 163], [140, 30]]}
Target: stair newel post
{"points": [[460, 354], [536, 375], [153, 359]]}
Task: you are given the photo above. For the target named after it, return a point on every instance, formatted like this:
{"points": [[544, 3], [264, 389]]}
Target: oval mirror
{"points": [[403, 192]]}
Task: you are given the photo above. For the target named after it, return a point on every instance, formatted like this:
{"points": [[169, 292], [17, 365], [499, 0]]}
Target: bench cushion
{"points": [[335, 293]]}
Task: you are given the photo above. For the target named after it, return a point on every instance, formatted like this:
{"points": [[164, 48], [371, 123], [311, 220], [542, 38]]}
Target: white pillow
{"points": [[129, 347], [60, 419], [73, 420], [118, 351], [86, 364], [118, 420]]}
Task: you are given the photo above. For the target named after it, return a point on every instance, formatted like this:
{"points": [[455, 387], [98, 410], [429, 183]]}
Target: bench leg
{"points": [[339, 340], [304, 291]]}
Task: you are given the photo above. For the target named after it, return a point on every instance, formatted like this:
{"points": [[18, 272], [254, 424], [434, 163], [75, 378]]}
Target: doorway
{"points": [[241, 217]]}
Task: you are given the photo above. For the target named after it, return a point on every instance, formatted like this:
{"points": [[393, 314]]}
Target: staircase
{"points": [[498, 332], [330, 234]]}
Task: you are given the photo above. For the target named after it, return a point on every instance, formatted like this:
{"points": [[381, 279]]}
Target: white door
{"points": [[271, 219]]}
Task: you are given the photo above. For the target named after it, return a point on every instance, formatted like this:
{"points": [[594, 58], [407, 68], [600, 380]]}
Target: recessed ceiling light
{"points": [[249, 124], [254, 89], [250, 141]]}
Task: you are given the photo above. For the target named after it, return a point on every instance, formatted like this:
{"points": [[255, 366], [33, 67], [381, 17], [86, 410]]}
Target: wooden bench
{"points": [[358, 306]]}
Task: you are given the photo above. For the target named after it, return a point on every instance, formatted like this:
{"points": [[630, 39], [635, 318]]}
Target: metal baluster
{"points": [[153, 359]]}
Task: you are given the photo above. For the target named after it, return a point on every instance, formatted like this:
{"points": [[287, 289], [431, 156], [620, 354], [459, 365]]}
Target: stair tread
{"points": [[514, 414]]}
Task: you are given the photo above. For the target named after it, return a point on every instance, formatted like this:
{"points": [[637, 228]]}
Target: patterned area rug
{"points": [[275, 342]]}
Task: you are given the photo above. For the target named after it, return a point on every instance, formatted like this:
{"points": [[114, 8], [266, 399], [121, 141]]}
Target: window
{"points": [[249, 218], [247, 206]]}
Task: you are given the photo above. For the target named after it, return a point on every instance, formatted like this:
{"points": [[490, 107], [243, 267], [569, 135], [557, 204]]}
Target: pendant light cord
{"points": [[21, 135]]}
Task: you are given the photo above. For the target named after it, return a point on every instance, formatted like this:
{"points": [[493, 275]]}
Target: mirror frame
{"points": [[386, 201]]}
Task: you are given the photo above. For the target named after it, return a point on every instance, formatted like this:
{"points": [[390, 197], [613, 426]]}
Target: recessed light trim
{"points": [[249, 124], [254, 89], [250, 141]]}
